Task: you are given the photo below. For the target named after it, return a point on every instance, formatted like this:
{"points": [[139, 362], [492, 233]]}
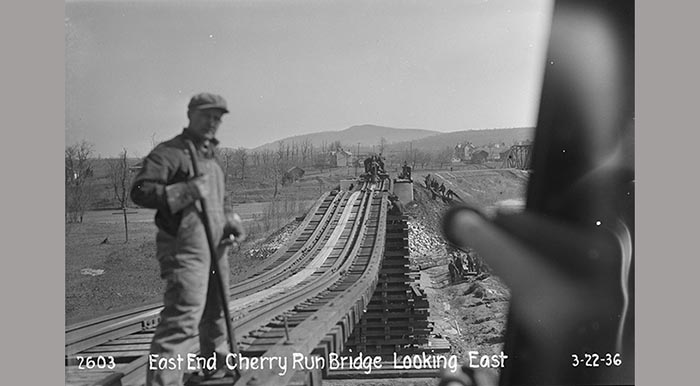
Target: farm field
{"points": [[105, 274]]}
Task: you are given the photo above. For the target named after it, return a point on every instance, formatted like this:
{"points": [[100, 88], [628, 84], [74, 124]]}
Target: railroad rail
{"points": [[307, 299]]}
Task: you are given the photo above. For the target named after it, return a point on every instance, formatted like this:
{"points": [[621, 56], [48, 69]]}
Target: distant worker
{"points": [[397, 207], [374, 170], [458, 264], [406, 171], [454, 273], [368, 164], [471, 266]]}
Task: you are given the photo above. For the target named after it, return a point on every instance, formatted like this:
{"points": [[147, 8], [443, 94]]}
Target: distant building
{"points": [[459, 152], [463, 150], [341, 158], [494, 153], [479, 157], [292, 175]]}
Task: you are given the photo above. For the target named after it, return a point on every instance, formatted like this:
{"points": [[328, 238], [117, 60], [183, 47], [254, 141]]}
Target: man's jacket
{"points": [[162, 184]]}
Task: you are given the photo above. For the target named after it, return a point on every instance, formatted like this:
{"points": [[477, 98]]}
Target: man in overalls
{"points": [[167, 183]]}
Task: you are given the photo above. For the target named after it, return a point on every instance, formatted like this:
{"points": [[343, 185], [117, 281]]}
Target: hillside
{"points": [[402, 139], [398, 141], [366, 135], [477, 137]]}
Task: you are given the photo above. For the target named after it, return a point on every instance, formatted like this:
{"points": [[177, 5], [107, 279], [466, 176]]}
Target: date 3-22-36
{"points": [[596, 360]]}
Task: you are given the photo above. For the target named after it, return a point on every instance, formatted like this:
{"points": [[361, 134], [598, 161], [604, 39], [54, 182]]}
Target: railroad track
{"points": [[311, 292]]}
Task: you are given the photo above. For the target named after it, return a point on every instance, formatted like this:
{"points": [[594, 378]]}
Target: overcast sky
{"points": [[296, 67]]}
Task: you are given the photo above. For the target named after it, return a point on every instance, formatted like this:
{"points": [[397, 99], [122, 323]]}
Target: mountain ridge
{"points": [[369, 136], [365, 134]]}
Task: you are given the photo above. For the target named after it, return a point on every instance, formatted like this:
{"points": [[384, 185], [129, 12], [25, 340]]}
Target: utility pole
{"points": [[357, 158]]}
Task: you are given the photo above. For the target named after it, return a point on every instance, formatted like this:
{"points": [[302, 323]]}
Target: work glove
{"points": [[233, 230], [182, 194]]}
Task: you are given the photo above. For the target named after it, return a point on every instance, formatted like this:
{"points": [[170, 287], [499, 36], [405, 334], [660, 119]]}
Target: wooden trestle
{"points": [[396, 319]]}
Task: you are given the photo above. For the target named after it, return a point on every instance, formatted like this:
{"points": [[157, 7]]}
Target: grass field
{"points": [[106, 277], [128, 269]]}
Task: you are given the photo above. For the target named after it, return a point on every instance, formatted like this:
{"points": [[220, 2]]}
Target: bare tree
{"points": [[423, 158], [278, 167], [295, 152], [306, 150], [322, 161], [225, 157], [335, 146], [382, 144], [79, 173], [266, 158], [154, 141], [240, 157], [256, 158], [121, 180], [444, 156]]}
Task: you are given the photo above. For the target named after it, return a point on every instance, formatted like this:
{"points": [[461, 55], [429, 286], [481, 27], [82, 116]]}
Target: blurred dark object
{"points": [[568, 258], [583, 155]]}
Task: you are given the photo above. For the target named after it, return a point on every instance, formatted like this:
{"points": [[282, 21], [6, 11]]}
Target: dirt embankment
{"points": [[249, 260], [470, 313]]}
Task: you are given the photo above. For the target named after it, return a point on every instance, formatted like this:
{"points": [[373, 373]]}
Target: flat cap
{"points": [[207, 101]]}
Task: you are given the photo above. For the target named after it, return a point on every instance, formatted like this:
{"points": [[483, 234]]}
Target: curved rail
{"points": [[350, 285], [327, 257]]}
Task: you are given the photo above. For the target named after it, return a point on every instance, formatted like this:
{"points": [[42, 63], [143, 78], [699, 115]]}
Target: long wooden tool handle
{"points": [[214, 260]]}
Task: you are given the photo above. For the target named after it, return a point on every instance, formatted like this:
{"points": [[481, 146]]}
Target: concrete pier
{"points": [[403, 189]]}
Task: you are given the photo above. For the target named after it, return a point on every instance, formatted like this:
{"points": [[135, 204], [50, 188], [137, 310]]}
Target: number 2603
{"points": [[99, 362]]}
